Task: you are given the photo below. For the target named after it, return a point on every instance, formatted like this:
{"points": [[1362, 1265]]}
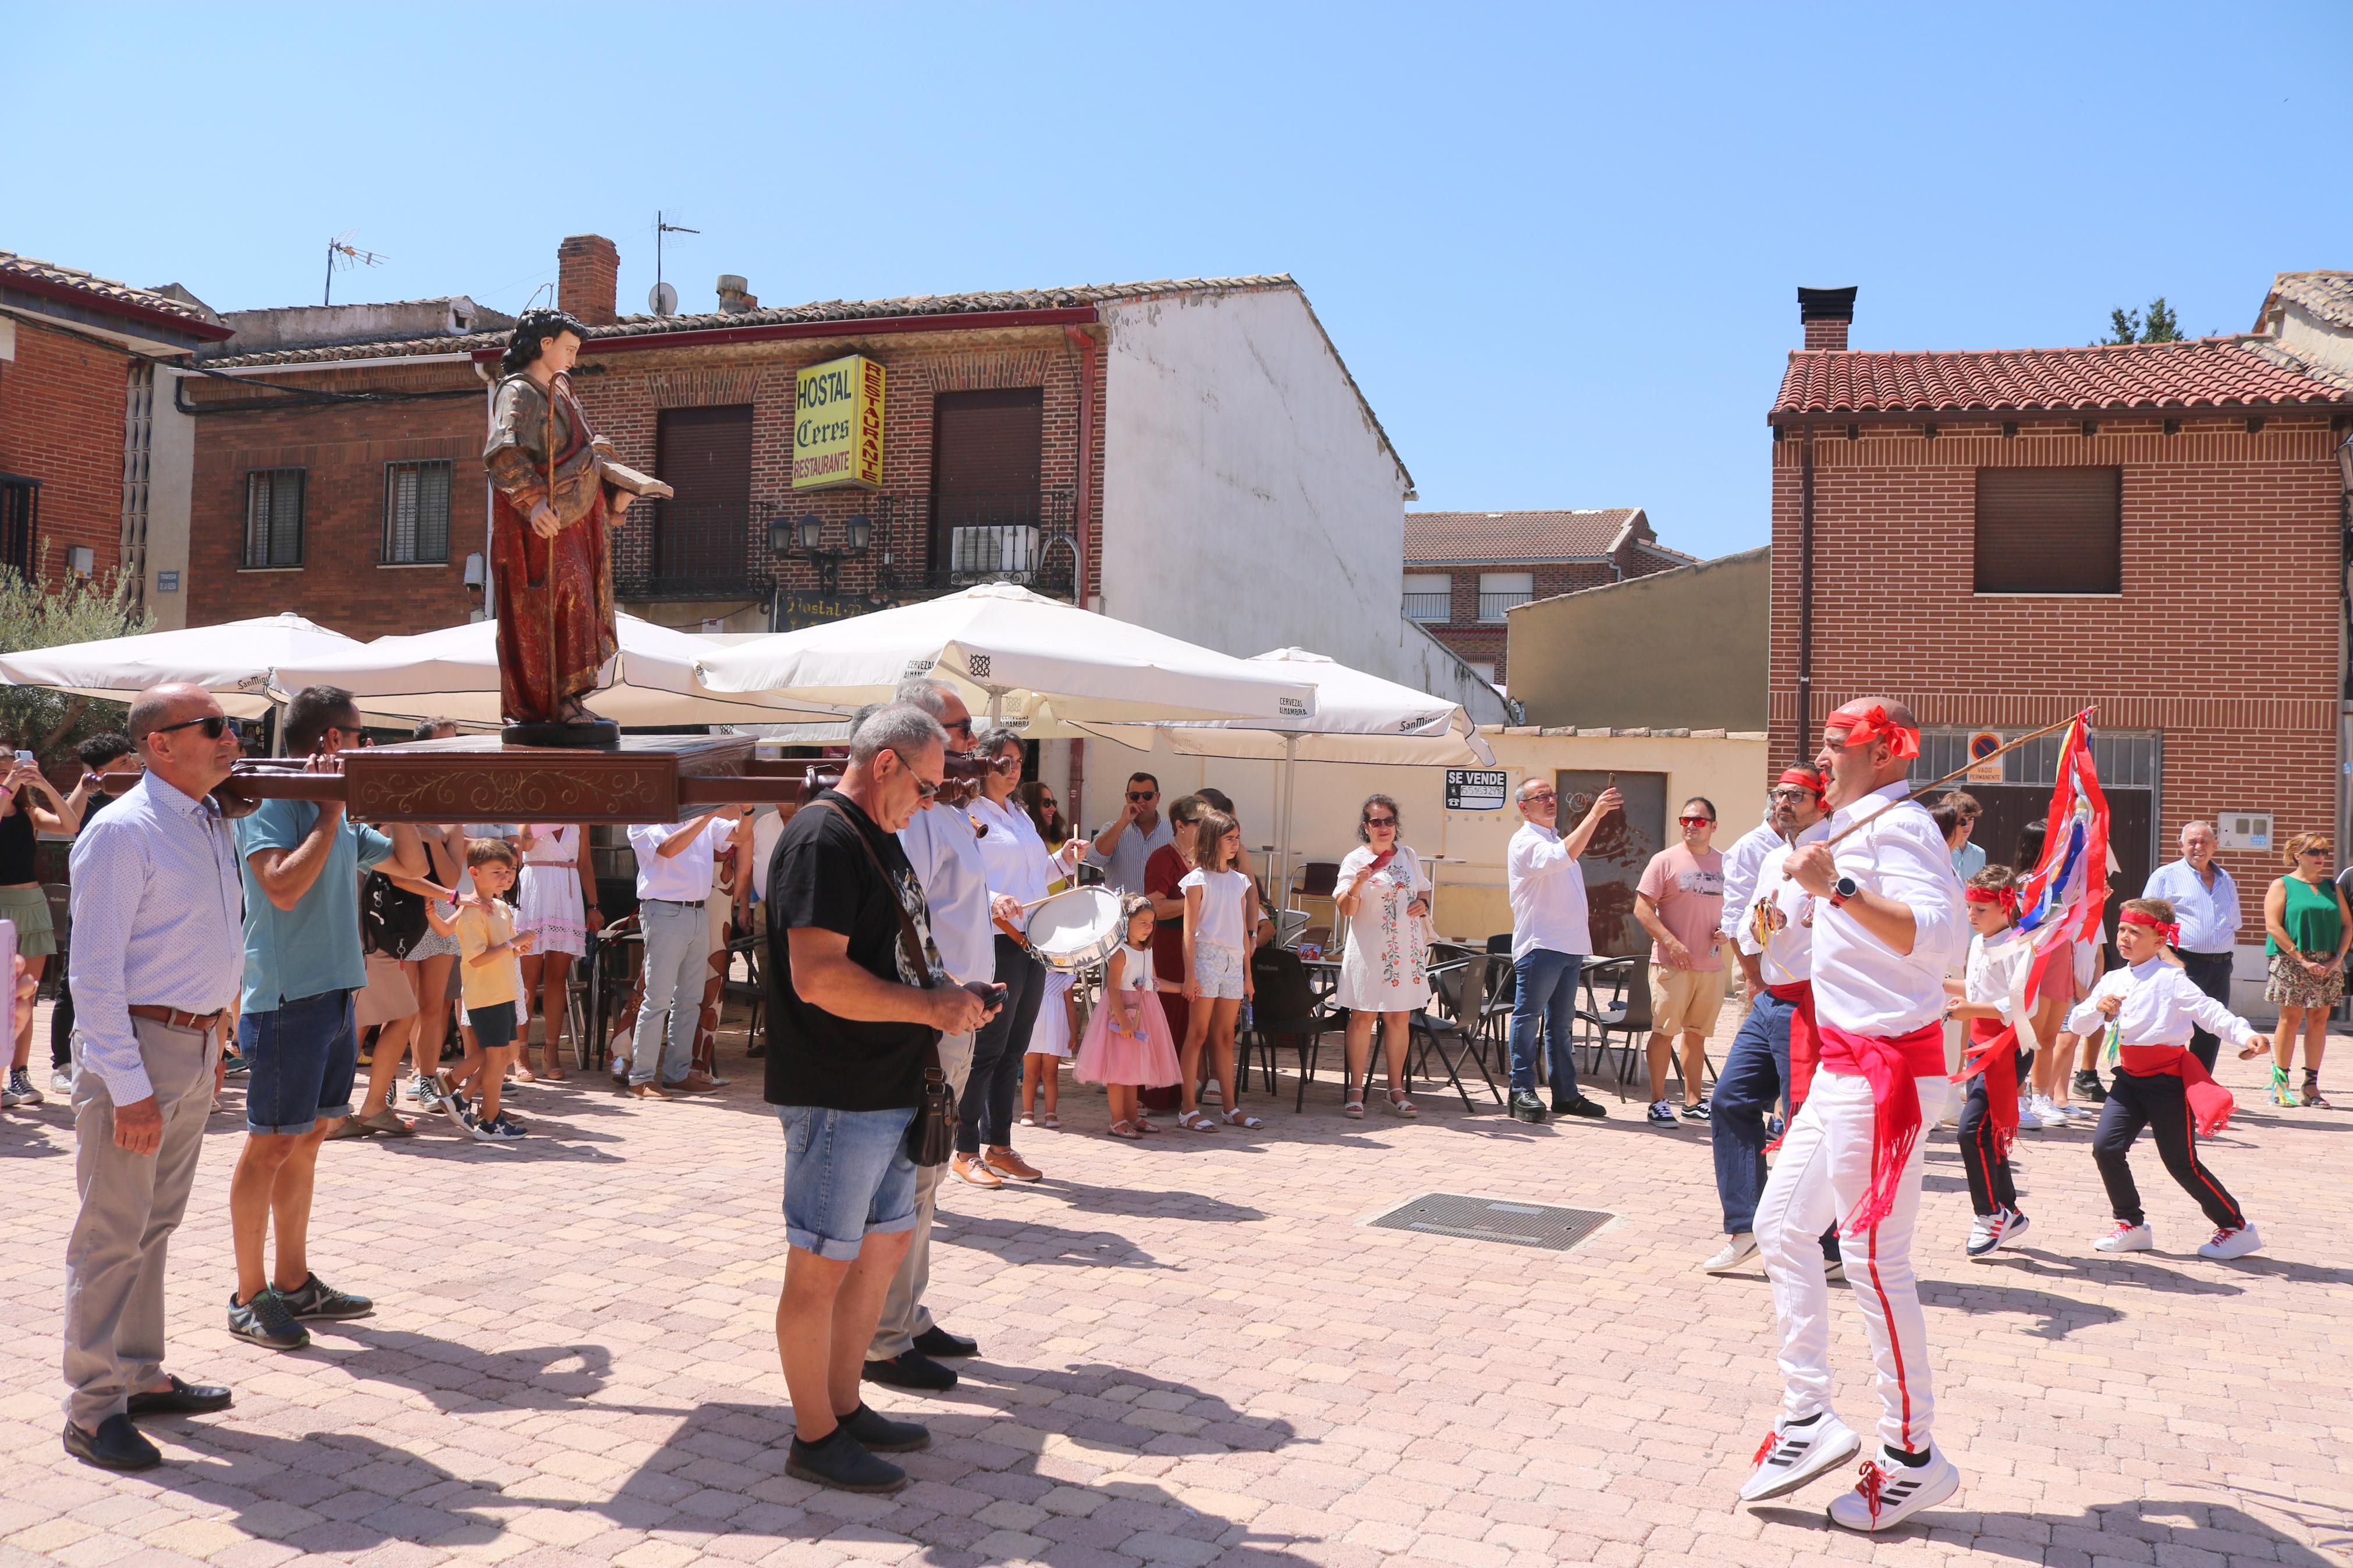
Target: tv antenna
{"points": [[342, 252], [663, 300]]}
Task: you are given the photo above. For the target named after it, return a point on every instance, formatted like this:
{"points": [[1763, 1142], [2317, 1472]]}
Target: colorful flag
{"points": [[2065, 896]]}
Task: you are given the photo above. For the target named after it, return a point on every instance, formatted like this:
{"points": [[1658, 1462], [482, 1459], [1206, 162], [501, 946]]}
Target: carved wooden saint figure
{"points": [[556, 489]]}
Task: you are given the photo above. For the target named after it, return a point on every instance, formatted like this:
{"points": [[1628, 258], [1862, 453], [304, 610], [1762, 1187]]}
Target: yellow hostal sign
{"points": [[837, 424]]}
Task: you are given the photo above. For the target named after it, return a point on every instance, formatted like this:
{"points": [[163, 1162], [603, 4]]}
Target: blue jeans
{"points": [[677, 952], [1543, 986], [1754, 1076]]}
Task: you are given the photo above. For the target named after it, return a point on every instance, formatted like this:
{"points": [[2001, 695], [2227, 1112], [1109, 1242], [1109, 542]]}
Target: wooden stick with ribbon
{"points": [[1965, 767], [547, 581]]}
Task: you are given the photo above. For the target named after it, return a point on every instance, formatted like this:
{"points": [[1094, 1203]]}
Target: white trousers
{"points": [[1820, 1176]]}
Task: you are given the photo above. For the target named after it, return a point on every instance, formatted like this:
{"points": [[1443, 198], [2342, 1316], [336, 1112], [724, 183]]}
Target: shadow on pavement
{"points": [[1032, 1241], [2060, 1315], [2183, 1531]]}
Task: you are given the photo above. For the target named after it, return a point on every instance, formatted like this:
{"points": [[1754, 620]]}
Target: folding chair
{"points": [[1462, 993], [1286, 1008], [1626, 1012]]}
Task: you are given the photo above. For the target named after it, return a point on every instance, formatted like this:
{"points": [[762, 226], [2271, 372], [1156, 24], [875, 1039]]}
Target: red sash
{"points": [[1805, 1047], [1891, 1066], [2210, 1103], [1993, 1051]]}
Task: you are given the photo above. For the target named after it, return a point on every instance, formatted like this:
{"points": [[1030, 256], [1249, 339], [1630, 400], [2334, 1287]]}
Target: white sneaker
{"points": [[2074, 1112], [2047, 1114], [2230, 1243], [1738, 1249], [2127, 1238], [1985, 1234], [62, 1080], [1791, 1455], [2028, 1121], [1892, 1491]]}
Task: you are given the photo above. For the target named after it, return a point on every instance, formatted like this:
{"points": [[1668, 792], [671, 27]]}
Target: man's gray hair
{"points": [[901, 727], [994, 741], [924, 692]]}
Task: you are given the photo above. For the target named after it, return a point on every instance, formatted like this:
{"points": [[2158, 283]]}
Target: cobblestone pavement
{"points": [[1194, 1351]]}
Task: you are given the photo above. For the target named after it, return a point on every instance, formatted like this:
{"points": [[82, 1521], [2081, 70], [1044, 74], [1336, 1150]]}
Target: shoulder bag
{"points": [[931, 1135]]}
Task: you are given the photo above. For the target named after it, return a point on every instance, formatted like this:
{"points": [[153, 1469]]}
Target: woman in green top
{"points": [[2309, 928]]}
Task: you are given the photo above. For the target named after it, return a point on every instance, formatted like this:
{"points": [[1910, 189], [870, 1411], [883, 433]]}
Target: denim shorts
{"points": [[1217, 971], [300, 1058], [846, 1175]]}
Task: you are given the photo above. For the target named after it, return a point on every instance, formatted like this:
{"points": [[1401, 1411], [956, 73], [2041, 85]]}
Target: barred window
{"points": [[415, 513], [273, 517]]}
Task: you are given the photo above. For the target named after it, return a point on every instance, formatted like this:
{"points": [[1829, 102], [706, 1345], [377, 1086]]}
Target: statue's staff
{"points": [[1972, 762], [547, 593]]}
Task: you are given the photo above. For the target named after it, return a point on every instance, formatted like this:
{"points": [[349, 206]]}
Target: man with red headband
{"points": [[1887, 930], [2147, 1009], [1773, 1054]]}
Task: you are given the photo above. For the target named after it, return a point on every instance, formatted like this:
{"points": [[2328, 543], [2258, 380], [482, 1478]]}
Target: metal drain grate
{"points": [[1494, 1220]]}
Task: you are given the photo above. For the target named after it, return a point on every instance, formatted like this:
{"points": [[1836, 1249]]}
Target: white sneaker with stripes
{"points": [[1892, 1491], [1791, 1455]]}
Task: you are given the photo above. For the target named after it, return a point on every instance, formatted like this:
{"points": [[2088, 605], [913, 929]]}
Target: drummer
{"points": [[1019, 869]]}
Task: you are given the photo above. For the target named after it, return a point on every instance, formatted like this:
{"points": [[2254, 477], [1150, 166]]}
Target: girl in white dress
{"points": [[551, 907], [1383, 896]]}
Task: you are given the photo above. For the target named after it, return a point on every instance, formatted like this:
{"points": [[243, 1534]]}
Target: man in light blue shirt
{"points": [[301, 864], [2206, 903]]}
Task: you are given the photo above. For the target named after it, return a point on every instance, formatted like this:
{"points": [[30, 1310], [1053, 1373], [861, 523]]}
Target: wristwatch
{"points": [[1842, 890]]}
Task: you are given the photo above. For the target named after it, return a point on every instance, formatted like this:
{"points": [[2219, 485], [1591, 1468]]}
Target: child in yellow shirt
{"points": [[489, 948]]}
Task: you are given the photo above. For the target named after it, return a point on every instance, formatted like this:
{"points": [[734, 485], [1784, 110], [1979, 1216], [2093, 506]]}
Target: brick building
{"points": [[78, 456], [2001, 538], [1466, 569]]}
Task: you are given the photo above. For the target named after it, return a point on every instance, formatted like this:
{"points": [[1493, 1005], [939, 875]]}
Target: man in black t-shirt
{"points": [[859, 1001]]}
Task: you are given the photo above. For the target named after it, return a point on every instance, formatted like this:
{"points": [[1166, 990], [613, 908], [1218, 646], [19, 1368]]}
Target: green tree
{"points": [[2159, 326], [49, 723]]}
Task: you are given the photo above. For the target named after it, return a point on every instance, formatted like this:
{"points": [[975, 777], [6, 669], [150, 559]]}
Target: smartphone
{"points": [[23, 758], [996, 991]]}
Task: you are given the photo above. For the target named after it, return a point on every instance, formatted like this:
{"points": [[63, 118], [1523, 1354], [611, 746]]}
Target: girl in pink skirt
{"points": [[1128, 1045]]}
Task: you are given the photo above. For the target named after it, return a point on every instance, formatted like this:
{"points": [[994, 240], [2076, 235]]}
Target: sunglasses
{"points": [[1142, 794], [2321, 850], [963, 726], [211, 723], [929, 791], [1696, 821], [1380, 822]]}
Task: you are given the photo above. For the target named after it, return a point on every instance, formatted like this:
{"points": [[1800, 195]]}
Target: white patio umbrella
{"points": [[454, 673], [1013, 654], [232, 660], [1358, 718]]}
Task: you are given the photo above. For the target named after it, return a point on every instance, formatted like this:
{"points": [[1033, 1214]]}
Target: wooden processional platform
{"points": [[475, 778]]}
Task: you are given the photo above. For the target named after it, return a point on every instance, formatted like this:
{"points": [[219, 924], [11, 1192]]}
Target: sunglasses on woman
{"points": [[1380, 822]]}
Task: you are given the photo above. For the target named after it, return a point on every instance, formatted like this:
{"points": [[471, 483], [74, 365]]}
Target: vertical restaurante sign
{"points": [[837, 424]]}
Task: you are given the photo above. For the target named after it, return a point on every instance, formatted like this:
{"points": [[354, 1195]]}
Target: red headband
{"points": [[1804, 778], [2168, 929], [1863, 725], [2006, 896]]}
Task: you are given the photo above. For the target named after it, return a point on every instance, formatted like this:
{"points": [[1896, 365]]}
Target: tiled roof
{"points": [[820, 310], [1482, 537], [48, 277], [2328, 295], [2204, 373]]}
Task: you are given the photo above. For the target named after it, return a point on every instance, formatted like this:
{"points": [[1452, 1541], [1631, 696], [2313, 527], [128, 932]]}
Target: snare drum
{"points": [[1077, 930]]}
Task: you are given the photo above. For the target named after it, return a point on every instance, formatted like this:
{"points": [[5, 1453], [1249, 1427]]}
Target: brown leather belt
{"points": [[173, 1017]]}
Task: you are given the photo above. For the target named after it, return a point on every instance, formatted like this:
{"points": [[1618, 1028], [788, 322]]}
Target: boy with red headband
{"points": [[1989, 1120], [2148, 1010], [1887, 930]]}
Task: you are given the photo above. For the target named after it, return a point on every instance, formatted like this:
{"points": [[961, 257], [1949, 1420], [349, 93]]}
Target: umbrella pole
{"points": [[1289, 799]]}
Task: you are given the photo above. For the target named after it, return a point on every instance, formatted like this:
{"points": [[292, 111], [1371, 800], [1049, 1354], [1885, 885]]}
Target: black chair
{"points": [[1286, 1008], [1617, 1002], [751, 990], [1462, 994]]}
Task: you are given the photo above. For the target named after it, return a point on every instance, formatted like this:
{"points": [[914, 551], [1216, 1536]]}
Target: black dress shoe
{"points": [[911, 1369], [181, 1399], [877, 1433], [1525, 1107], [115, 1446], [1580, 1106], [936, 1340]]}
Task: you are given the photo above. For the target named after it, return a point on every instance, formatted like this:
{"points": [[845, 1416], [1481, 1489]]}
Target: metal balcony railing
{"points": [[682, 549], [1493, 605], [20, 514], [1436, 607], [1027, 537]]}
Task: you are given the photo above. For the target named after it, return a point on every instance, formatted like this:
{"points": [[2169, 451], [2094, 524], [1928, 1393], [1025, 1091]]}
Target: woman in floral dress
{"points": [[1384, 898]]}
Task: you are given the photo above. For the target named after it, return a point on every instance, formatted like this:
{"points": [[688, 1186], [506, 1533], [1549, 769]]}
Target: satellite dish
{"points": [[662, 300]]}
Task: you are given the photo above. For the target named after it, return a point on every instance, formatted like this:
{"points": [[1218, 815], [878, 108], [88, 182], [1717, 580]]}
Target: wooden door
{"points": [[1622, 846]]}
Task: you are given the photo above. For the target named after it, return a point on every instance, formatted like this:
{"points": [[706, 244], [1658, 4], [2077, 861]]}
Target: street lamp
{"points": [[803, 538]]}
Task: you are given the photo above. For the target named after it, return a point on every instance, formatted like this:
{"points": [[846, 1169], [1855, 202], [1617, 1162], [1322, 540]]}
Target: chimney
{"points": [[589, 279], [734, 294], [1826, 313]]}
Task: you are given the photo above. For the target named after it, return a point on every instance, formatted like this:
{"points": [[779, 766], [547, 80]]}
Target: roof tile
{"points": [[2202, 373], [1499, 536], [102, 288]]}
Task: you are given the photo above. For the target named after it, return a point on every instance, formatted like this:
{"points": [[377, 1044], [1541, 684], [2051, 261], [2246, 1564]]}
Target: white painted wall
{"points": [[171, 477], [1249, 502]]}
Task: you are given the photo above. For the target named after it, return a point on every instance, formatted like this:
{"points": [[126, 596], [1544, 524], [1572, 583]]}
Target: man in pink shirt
{"points": [[1680, 901]]}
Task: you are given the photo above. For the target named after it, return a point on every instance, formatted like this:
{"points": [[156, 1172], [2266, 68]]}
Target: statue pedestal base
{"points": [[645, 778], [581, 735]]}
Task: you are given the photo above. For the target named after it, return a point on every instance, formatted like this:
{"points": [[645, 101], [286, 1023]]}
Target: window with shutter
{"points": [[273, 518], [1499, 590], [702, 535], [988, 464], [415, 513], [2049, 531], [1430, 596]]}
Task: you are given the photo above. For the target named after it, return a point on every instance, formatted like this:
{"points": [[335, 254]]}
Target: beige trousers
{"points": [[904, 1313], [131, 1204]]}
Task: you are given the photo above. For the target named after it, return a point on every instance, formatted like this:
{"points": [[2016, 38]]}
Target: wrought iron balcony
{"points": [[944, 542], [1433, 608], [680, 550]]}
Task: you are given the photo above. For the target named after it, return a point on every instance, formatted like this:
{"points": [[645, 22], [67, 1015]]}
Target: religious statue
{"points": [[556, 489]]}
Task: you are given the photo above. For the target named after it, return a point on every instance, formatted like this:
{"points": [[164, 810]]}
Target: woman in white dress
{"points": [[1383, 896], [551, 903]]}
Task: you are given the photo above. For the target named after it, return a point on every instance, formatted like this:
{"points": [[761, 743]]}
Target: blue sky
{"points": [[1557, 246]]}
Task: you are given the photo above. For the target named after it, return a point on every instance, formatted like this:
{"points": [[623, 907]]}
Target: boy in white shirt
{"points": [[1989, 1116], [2152, 1005]]}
